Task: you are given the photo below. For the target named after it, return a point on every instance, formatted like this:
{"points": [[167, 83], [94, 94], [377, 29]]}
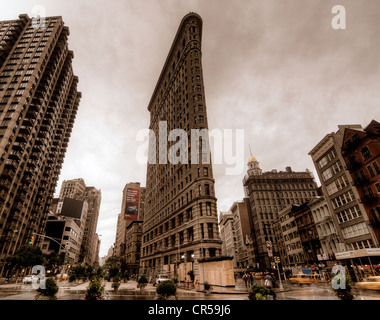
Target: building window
{"points": [[210, 231], [207, 189], [366, 153], [190, 234], [355, 230], [208, 208], [377, 169], [370, 170]]}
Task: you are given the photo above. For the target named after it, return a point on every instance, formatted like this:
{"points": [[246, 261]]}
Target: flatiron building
{"points": [[180, 219]]}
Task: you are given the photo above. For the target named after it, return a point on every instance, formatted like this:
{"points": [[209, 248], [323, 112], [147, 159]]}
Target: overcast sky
{"points": [[275, 68]]}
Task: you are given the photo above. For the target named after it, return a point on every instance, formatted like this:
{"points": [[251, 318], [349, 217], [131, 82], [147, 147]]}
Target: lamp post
{"points": [[179, 254]]}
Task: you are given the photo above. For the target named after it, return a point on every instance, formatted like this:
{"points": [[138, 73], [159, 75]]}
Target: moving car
{"points": [[371, 283], [61, 277], [29, 278], [160, 278], [302, 278]]}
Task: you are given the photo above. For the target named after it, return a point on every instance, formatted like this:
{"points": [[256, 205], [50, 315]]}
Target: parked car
{"points": [[29, 278], [371, 283], [160, 278]]}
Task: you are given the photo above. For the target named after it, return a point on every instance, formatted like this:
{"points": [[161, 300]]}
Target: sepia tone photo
{"points": [[189, 150]]}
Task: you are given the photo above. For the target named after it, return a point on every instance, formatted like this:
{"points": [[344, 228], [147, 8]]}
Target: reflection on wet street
{"points": [[290, 292]]}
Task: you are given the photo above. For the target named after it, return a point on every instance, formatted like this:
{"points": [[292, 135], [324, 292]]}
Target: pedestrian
{"points": [[250, 279], [268, 282], [245, 278]]}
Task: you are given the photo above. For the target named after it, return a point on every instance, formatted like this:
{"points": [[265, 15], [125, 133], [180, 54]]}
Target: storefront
{"points": [[361, 263]]}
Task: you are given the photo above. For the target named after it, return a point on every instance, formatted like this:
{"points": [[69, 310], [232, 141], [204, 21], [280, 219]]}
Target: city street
{"points": [[129, 291]]}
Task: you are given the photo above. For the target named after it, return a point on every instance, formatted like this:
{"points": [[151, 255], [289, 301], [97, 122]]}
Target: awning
{"points": [[361, 253]]}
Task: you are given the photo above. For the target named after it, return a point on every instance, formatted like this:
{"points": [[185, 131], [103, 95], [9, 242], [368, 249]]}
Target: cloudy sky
{"points": [[275, 68]]}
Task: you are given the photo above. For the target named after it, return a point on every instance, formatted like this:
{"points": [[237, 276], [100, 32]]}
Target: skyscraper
{"points": [[180, 222], [38, 106]]}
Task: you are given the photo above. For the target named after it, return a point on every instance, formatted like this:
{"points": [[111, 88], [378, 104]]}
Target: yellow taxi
{"points": [[371, 283], [302, 278]]}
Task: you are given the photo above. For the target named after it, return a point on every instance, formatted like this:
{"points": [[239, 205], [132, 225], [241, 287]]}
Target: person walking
{"points": [[268, 282]]}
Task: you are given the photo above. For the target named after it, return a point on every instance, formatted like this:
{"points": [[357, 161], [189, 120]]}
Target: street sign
{"points": [[269, 244]]}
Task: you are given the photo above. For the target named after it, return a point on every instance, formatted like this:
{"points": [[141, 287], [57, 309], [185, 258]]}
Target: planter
{"points": [[115, 286], [142, 286]]}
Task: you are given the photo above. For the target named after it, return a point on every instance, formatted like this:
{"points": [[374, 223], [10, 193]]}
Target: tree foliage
{"points": [[26, 256]]}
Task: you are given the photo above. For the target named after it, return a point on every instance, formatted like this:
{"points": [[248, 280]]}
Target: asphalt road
{"points": [[128, 291]]}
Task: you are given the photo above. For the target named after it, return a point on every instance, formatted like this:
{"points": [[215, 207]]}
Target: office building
{"points": [[269, 193], [180, 220], [77, 189], [65, 229]]}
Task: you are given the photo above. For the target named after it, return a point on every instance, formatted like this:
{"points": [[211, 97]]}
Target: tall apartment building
{"points": [[38, 106], [343, 199], [269, 193], [128, 238], [180, 209], [77, 189], [361, 152]]}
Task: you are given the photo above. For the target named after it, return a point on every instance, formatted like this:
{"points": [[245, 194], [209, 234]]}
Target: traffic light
{"points": [[31, 241], [277, 259]]}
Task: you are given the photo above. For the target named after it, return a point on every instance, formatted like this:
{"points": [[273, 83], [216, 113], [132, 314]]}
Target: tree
{"points": [[54, 260], [49, 293], [111, 261], [26, 256], [166, 290], [114, 271], [80, 271], [95, 290]]}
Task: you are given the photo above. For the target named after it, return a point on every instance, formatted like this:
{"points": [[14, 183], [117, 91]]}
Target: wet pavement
{"points": [[129, 291]]}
